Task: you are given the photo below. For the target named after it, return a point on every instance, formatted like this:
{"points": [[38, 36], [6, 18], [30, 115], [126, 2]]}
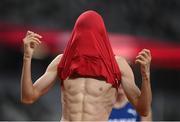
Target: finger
{"points": [[34, 35], [29, 36], [141, 57], [138, 61], [36, 39], [147, 51], [29, 32], [144, 54], [37, 35], [34, 44]]}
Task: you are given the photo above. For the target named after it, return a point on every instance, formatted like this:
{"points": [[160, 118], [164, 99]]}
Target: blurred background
{"points": [[132, 26]]}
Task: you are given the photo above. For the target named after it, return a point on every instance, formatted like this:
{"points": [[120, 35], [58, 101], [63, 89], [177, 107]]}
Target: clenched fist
{"points": [[30, 43], [144, 59]]}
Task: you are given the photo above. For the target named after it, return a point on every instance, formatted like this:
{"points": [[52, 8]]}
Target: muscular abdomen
{"points": [[87, 99]]}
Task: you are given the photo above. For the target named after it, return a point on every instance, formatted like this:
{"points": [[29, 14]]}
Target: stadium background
{"points": [[132, 26]]}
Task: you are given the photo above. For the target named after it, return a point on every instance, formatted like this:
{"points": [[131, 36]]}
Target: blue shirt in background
{"points": [[124, 114]]}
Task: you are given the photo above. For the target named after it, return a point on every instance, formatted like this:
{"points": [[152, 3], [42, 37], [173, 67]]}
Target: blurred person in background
{"points": [[90, 74], [124, 111]]}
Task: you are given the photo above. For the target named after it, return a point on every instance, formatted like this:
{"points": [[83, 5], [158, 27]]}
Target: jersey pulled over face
{"points": [[88, 52]]}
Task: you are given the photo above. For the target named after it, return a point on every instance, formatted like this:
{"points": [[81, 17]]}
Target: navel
{"points": [[100, 89], [69, 87]]}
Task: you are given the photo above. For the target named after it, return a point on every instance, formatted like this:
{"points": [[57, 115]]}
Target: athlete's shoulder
{"points": [[58, 58], [120, 59]]}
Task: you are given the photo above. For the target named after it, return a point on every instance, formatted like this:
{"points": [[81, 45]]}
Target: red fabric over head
{"points": [[88, 52]]}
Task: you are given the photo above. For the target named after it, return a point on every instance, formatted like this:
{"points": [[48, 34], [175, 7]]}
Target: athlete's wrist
{"points": [[27, 56], [146, 76]]}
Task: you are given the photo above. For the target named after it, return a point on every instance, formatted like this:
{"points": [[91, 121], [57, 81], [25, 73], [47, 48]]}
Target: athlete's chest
{"points": [[88, 86]]}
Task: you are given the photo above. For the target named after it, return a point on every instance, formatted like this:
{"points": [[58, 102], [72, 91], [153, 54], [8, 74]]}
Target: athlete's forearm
{"points": [[148, 117], [27, 90], [145, 99]]}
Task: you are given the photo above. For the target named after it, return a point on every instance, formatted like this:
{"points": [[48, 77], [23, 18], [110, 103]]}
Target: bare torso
{"points": [[87, 99]]}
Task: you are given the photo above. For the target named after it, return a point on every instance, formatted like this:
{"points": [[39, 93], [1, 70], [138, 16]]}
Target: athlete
{"points": [[89, 72]]}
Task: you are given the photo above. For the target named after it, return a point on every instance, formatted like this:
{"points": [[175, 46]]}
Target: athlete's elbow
{"points": [[30, 99], [143, 111], [27, 101]]}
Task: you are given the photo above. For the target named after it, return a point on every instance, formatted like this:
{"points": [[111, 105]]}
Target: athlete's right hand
{"points": [[31, 41]]}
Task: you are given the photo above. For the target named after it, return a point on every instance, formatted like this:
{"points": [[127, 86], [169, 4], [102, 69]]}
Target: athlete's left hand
{"points": [[144, 59]]}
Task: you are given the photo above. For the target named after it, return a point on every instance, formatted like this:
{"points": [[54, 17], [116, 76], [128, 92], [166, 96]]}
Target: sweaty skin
{"points": [[85, 98]]}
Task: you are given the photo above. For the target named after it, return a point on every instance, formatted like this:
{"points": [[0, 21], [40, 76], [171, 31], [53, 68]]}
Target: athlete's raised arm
{"points": [[141, 99], [31, 92]]}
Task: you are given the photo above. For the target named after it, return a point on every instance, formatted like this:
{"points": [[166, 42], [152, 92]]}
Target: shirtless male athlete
{"points": [[90, 74]]}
